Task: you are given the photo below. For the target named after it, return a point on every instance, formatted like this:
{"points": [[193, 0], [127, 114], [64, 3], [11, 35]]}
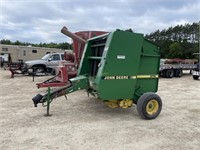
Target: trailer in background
{"points": [[174, 67]]}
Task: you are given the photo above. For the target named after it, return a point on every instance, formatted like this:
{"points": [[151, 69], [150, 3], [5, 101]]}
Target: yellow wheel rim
{"points": [[152, 107]]}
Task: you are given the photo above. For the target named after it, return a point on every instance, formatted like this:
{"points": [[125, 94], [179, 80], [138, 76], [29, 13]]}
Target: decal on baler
{"points": [[129, 77]]}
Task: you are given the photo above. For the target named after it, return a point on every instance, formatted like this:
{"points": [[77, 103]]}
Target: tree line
{"points": [[63, 45], [180, 41]]}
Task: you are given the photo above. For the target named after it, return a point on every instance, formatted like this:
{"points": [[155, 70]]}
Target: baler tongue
{"points": [[77, 83]]}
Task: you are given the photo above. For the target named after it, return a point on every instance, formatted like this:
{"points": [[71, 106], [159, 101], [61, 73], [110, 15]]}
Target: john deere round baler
{"points": [[119, 68]]}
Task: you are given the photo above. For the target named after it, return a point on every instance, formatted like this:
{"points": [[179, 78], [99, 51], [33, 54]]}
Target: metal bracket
{"points": [[48, 103]]}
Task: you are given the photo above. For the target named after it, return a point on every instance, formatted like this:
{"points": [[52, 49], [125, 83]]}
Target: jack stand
{"points": [[48, 103], [33, 76]]}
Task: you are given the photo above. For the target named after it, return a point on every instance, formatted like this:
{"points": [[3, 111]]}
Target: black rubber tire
{"points": [[169, 73], [53, 72], [178, 73], [39, 69], [163, 73], [142, 103], [195, 77], [36, 99]]}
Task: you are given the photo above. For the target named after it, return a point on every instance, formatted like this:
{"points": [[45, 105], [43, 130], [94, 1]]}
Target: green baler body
{"points": [[120, 65]]}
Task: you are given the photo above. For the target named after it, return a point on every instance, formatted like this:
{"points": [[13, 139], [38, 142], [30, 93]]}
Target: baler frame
{"points": [[120, 68]]}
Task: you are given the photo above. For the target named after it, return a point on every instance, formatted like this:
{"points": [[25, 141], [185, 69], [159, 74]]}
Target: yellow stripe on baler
{"points": [[147, 76]]}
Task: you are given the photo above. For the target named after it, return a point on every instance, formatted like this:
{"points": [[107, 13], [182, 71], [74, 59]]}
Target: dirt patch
{"points": [[83, 122]]}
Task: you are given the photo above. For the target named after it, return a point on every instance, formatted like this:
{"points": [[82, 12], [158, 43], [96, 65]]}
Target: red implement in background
{"points": [[16, 68], [79, 40], [68, 69], [65, 71]]}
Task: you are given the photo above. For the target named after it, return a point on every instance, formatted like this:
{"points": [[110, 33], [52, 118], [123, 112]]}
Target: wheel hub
{"points": [[152, 107]]}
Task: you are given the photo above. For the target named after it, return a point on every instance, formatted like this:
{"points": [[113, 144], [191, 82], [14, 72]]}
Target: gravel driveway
{"points": [[83, 122]]}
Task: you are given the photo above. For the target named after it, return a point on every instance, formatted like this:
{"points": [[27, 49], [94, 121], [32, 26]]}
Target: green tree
{"points": [[175, 51], [184, 36], [5, 41]]}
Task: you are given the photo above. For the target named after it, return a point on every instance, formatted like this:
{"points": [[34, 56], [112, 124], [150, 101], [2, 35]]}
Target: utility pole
{"points": [[199, 47]]}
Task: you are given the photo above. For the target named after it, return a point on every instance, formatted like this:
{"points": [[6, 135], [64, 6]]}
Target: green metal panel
{"points": [[84, 64], [87, 52], [149, 65], [121, 62], [120, 65]]}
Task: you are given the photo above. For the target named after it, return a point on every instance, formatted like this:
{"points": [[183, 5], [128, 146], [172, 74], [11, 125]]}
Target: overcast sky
{"points": [[38, 21]]}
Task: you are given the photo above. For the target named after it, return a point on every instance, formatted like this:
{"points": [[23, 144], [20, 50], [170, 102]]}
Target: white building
{"points": [[25, 53]]}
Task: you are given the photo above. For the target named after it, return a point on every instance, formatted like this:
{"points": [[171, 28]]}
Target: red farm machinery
{"points": [[68, 68]]}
